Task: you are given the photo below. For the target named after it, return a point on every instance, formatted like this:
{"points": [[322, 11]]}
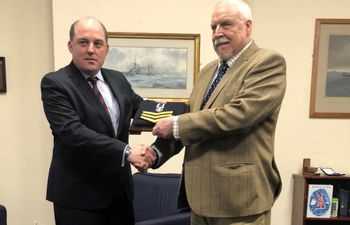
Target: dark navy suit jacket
{"points": [[86, 170]]}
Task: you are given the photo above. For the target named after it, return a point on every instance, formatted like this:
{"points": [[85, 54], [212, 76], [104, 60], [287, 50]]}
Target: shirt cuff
{"points": [[176, 127], [126, 153], [159, 156]]}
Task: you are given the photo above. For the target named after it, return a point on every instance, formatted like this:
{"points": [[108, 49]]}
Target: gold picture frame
{"points": [[2, 75], [159, 66], [330, 84]]}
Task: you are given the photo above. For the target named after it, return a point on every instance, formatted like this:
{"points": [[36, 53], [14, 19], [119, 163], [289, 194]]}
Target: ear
{"points": [[69, 44], [249, 27], [107, 48]]}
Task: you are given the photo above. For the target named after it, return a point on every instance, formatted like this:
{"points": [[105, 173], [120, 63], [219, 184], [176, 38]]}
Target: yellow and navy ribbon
{"points": [[154, 117]]}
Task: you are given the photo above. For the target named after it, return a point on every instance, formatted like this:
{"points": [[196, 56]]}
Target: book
{"points": [[343, 202], [150, 112], [334, 208], [319, 201]]}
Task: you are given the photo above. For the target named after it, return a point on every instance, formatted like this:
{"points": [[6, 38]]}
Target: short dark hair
{"points": [[72, 30]]}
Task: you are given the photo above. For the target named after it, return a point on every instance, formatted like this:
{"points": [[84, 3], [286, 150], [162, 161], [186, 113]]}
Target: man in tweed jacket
{"points": [[229, 171]]}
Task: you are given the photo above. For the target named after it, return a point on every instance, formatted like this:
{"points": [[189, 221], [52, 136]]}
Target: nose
{"points": [[217, 32], [91, 48]]}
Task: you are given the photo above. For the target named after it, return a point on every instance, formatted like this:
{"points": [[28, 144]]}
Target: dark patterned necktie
{"points": [[93, 81], [222, 70]]}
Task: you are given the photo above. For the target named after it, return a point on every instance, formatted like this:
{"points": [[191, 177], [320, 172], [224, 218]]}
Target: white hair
{"points": [[242, 7]]}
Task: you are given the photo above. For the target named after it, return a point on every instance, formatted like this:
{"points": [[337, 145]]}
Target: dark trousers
{"points": [[117, 213]]}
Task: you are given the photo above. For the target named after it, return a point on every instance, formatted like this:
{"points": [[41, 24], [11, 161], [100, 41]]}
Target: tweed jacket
{"points": [[229, 167]]}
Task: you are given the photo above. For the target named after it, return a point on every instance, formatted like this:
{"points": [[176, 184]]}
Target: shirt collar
{"points": [[235, 57], [98, 75]]}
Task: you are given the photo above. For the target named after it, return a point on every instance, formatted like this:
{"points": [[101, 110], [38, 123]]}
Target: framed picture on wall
{"points": [[159, 66], [2, 75], [330, 84]]}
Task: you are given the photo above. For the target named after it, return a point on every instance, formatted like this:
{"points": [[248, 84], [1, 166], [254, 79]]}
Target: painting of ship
{"points": [[137, 69], [346, 74], [151, 68], [338, 83]]}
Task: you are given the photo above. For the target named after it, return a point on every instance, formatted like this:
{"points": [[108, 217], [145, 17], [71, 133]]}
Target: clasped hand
{"points": [[142, 157]]}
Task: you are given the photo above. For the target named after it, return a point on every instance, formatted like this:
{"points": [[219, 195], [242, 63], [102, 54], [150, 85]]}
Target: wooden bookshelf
{"points": [[300, 196]]}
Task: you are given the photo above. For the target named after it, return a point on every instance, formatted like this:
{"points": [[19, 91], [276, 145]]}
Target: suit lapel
{"points": [[113, 84], [231, 73], [202, 85], [89, 94]]}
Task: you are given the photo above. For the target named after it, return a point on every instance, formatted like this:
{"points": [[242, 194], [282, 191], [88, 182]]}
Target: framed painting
{"points": [[2, 75], [159, 66], [330, 84]]}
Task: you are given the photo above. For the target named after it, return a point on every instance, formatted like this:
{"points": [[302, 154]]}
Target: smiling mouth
{"points": [[220, 44]]}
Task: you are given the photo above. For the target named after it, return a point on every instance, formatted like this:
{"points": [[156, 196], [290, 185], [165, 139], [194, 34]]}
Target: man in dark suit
{"points": [[229, 173], [89, 110]]}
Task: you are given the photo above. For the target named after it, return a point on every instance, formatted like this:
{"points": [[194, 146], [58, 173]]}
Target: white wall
{"points": [[25, 141], [26, 42]]}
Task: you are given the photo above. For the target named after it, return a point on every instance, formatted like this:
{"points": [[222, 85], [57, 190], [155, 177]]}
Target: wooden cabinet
{"points": [[300, 197]]}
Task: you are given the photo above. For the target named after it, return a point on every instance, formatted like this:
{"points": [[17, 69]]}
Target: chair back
{"points": [[3, 215], [155, 195]]}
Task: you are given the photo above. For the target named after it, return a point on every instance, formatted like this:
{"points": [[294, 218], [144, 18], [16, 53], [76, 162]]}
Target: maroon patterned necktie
{"points": [[93, 81], [222, 70]]}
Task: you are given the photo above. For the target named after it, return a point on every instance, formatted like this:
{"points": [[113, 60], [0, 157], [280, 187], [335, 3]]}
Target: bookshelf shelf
{"points": [[340, 218], [300, 196]]}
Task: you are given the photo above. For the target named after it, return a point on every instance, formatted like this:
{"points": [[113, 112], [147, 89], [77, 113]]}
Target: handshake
{"points": [[142, 157]]}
